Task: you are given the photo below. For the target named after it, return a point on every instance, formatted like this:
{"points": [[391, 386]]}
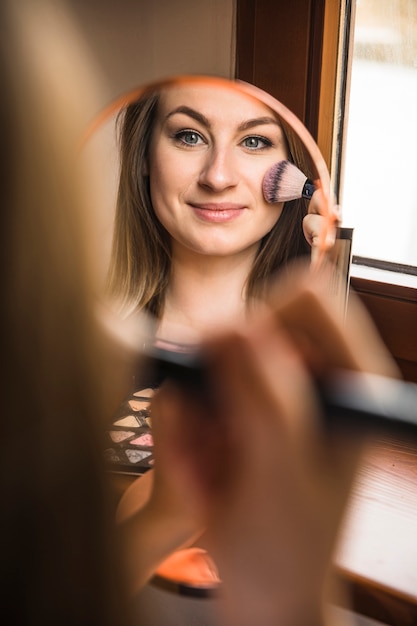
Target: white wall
{"points": [[137, 41], [140, 40]]}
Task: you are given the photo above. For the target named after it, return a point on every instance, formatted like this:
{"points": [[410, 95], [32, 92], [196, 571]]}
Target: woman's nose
{"points": [[219, 171]]}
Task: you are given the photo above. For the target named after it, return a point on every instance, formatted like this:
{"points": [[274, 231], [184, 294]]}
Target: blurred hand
{"points": [[258, 469]]}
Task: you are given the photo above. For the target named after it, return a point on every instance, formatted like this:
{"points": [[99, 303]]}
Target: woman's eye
{"points": [[189, 137], [255, 142]]}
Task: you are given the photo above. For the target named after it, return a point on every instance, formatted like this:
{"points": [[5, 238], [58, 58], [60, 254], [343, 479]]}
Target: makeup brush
{"points": [[284, 181], [350, 400]]}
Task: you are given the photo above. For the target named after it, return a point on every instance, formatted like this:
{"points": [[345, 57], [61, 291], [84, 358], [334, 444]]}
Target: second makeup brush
{"points": [[351, 400]]}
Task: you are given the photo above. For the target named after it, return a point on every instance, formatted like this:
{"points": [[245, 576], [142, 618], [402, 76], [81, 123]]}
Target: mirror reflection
{"points": [[204, 219]]}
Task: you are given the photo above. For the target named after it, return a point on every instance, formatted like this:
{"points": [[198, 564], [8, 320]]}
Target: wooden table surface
{"points": [[377, 552]]}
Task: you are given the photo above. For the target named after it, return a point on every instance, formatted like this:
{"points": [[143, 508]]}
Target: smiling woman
{"points": [[206, 162]]}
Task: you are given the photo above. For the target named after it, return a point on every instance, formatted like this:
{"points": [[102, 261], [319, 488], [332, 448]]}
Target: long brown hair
{"points": [[141, 256]]}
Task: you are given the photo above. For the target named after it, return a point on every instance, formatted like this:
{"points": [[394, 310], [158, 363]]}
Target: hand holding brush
{"points": [[284, 182]]}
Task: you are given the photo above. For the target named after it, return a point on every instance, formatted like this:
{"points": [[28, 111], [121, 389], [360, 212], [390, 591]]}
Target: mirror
{"points": [[196, 238], [104, 130]]}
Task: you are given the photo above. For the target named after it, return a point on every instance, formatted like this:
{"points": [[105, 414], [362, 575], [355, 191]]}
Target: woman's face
{"points": [[210, 149]]}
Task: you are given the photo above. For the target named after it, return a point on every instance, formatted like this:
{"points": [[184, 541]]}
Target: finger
{"points": [[320, 206], [321, 237], [312, 224]]}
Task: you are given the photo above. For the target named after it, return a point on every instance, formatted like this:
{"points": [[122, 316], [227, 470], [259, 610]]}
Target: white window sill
{"points": [[383, 276]]}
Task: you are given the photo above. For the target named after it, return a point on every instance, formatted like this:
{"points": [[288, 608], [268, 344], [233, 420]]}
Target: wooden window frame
{"points": [[293, 51]]}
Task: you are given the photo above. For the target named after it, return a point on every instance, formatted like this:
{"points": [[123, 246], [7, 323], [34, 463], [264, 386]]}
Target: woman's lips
{"points": [[218, 212]]}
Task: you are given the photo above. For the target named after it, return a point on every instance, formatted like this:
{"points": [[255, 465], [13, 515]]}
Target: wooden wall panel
{"points": [[394, 311], [279, 49]]}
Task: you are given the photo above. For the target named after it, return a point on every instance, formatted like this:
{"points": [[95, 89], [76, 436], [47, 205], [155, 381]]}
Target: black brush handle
{"points": [[351, 400], [308, 189]]}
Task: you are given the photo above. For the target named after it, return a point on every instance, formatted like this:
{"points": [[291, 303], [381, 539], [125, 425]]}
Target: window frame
{"points": [[342, 16], [266, 56]]}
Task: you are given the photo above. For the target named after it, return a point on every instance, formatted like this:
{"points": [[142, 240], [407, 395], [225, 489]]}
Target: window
{"points": [[378, 160]]}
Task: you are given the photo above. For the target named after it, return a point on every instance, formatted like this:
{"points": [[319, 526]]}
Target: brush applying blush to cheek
{"points": [[284, 182]]}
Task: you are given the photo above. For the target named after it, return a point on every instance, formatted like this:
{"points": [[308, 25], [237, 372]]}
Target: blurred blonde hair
{"points": [[58, 561]]}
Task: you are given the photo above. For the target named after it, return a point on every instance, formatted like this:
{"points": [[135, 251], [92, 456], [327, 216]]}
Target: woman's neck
{"points": [[204, 296]]}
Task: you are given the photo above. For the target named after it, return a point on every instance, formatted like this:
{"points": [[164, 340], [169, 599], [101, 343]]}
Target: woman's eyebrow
{"points": [[202, 119], [259, 121], [199, 117]]}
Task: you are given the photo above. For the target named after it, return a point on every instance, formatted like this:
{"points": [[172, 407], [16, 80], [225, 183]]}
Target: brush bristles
{"points": [[283, 182]]}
